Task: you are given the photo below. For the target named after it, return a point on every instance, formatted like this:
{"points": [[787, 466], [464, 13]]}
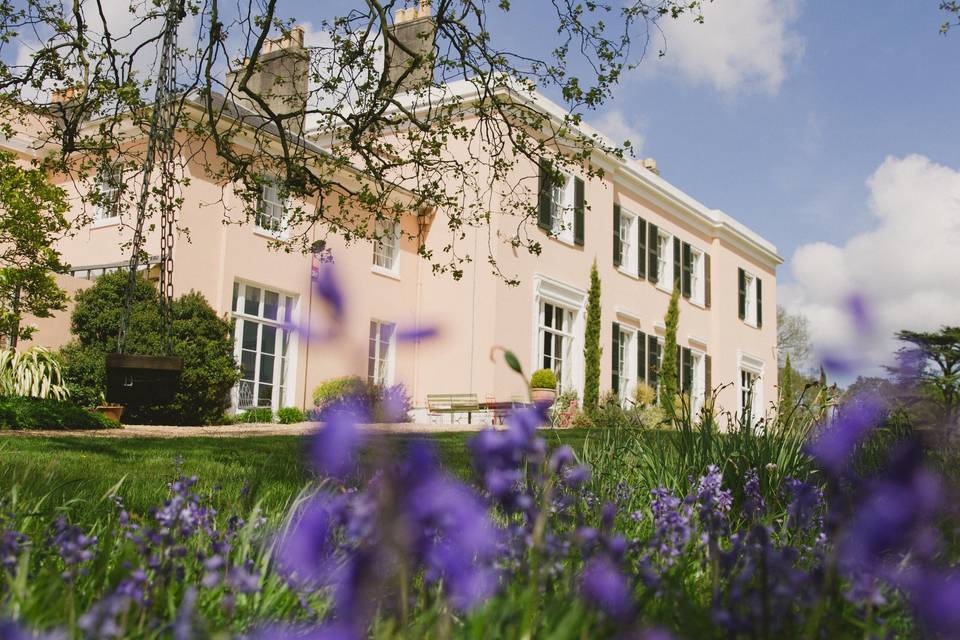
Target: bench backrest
{"points": [[460, 401]]}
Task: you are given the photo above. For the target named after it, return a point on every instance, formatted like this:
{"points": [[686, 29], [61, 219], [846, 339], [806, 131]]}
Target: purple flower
{"points": [[605, 587], [326, 286], [934, 594], [754, 505], [11, 543], [416, 334], [306, 550], [100, 621], [74, 547], [839, 438], [334, 447]]}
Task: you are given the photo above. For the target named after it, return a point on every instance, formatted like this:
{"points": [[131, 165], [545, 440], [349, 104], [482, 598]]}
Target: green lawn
{"points": [[77, 473]]}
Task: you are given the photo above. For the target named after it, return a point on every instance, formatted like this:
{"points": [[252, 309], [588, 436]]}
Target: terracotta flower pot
{"points": [[543, 395], [112, 411]]}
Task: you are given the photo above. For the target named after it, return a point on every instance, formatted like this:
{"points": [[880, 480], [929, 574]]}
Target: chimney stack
{"points": [[414, 28], [650, 165], [280, 79]]}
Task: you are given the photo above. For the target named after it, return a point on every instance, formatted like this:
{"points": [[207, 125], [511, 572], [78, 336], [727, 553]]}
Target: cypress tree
{"points": [[591, 347], [786, 385], [669, 374]]}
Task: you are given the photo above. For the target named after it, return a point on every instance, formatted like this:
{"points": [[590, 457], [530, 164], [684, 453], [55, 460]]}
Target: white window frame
{"points": [[627, 359], [285, 363], [561, 209], [665, 275], [697, 277], [273, 208], [628, 243], [559, 294], [698, 391], [384, 364], [109, 185], [750, 302], [753, 366], [386, 248]]}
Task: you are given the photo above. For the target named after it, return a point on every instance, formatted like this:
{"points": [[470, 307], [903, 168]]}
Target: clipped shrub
{"points": [[543, 379], [257, 415], [291, 415], [203, 339], [335, 389], [20, 412], [379, 402]]}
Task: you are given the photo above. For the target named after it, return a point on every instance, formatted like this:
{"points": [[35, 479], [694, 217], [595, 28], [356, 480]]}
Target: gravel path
{"points": [[241, 430]]}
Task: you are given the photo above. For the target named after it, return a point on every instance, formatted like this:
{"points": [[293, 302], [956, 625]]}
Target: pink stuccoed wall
{"points": [[473, 314]]}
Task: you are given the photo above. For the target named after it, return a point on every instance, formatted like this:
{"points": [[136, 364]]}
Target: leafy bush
{"points": [[291, 415], [543, 379], [379, 402], [198, 335], [34, 373], [257, 415], [19, 412], [335, 389]]}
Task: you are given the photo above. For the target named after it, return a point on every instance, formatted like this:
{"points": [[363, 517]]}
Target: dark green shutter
{"points": [[676, 261], [617, 257], [687, 279], [544, 195], [706, 280], [742, 286], [641, 357], [615, 359], [641, 248], [686, 375], [653, 252], [653, 361], [578, 207], [759, 302], [708, 376], [679, 356]]}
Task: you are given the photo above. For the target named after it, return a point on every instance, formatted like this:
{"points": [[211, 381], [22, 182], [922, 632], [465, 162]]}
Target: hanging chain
{"points": [[160, 141]]}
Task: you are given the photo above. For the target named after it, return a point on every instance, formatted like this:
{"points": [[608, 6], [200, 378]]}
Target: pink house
{"points": [[643, 232]]}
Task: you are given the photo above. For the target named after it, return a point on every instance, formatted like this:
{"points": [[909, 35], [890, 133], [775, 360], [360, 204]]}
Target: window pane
{"points": [[371, 368], [245, 394], [373, 330], [271, 304], [249, 335], [248, 361], [236, 296], [386, 333], [268, 339], [548, 315], [264, 395], [251, 304], [288, 310], [266, 368]]}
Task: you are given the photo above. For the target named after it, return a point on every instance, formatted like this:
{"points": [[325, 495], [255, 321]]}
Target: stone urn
{"points": [[543, 395], [112, 411]]}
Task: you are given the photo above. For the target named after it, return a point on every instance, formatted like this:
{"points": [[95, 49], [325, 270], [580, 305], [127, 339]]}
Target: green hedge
{"points": [[45, 413]]}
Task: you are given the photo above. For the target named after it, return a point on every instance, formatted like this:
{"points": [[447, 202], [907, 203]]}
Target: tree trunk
{"points": [[15, 330]]}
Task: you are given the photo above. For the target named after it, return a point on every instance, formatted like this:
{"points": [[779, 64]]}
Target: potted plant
{"points": [[109, 409], [543, 386]]}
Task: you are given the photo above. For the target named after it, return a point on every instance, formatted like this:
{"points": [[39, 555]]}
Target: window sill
{"points": [[697, 303], [662, 287], [266, 233], [562, 239], [393, 274], [105, 222], [628, 273]]}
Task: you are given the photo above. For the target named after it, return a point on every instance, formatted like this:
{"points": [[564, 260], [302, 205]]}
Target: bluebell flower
{"points": [[334, 447], [605, 587], [837, 440]]}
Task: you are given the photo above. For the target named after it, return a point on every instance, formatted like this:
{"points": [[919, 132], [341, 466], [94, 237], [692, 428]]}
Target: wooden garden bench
{"points": [[439, 403]]}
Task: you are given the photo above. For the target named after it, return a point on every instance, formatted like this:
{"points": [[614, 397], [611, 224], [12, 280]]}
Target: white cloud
{"points": [[741, 43], [905, 269], [620, 127]]}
